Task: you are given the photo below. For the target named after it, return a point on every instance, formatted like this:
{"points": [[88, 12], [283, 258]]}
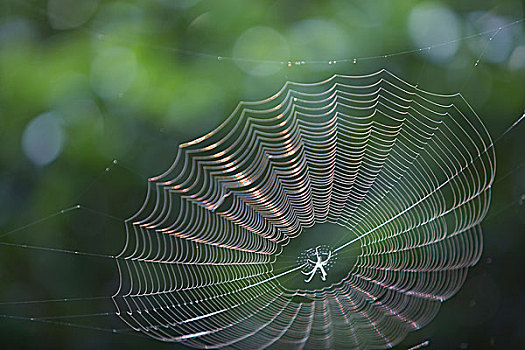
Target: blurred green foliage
{"points": [[130, 80]]}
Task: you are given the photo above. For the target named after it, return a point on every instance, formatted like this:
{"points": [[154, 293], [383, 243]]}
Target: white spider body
{"points": [[318, 265]]}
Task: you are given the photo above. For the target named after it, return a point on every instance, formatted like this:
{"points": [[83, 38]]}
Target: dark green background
{"points": [[131, 80]]}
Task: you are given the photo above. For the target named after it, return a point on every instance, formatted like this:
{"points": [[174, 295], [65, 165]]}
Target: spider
{"points": [[319, 264]]}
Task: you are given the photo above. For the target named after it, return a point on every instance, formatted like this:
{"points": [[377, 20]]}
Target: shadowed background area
{"points": [[84, 83]]}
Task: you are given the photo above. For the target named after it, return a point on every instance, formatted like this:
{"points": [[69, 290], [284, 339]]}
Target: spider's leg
{"points": [[311, 275], [311, 272]]}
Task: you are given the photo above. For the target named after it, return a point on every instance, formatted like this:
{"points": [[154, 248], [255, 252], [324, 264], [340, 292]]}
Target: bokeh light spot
{"points": [[319, 39], [517, 59], [113, 71], [43, 138], [66, 14], [431, 24], [261, 43], [496, 45], [17, 30]]}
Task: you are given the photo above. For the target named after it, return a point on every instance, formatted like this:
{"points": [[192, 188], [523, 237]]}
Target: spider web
{"points": [[406, 173]]}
